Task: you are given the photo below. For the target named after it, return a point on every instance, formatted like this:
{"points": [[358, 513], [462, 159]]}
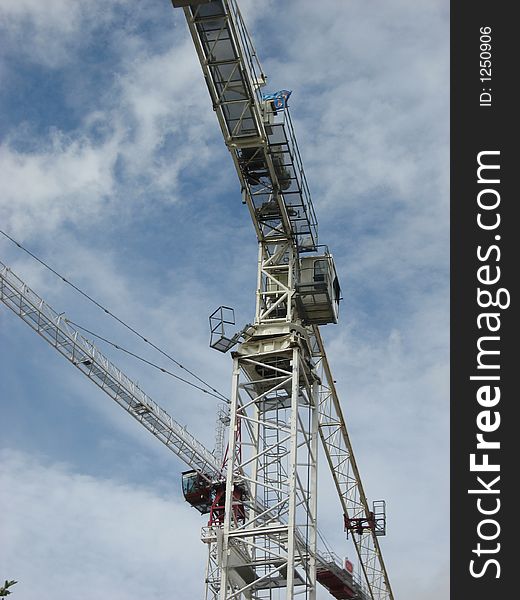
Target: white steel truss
{"points": [[267, 539], [266, 156], [277, 267], [340, 457], [268, 449], [263, 538], [57, 331]]}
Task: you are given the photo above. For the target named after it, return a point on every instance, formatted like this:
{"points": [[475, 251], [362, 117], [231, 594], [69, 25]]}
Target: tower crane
{"points": [[261, 495]]}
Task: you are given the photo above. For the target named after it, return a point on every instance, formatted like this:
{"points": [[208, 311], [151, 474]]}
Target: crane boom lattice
{"points": [[261, 140], [342, 463], [84, 355]]}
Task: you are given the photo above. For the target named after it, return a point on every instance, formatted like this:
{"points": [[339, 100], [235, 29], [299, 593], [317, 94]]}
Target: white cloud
{"points": [[49, 33], [370, 83], [142, 129], [71, 178], [67, 535]]}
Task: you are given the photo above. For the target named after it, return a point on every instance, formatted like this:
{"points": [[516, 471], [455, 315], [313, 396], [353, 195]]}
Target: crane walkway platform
{"points": [[339, 582]]}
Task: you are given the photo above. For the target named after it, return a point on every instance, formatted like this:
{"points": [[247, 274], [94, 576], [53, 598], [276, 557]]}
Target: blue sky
{"points": [[113, 170]]}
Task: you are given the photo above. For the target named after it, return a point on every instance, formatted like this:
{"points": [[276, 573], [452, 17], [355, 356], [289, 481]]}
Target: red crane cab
{"points": [[197, 491], [209, 497]]}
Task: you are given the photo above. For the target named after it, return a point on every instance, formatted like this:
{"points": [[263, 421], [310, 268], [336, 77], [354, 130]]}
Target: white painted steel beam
{"points": [[83, 354], [342, 463]]}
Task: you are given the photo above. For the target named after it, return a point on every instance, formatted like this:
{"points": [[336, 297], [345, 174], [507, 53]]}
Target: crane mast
{"points": [[283, 395]]}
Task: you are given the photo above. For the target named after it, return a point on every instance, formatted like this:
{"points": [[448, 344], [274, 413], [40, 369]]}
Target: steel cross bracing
{"points": [[55, 329], [270, 517], [264, 150], [269, 540]]}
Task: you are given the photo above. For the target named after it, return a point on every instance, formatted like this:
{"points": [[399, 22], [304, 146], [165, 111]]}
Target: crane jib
{"points": [[258, 133], [84, 355]]}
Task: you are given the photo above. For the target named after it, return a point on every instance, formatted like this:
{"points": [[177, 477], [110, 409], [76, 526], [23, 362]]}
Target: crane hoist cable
{"points": [[144, 360], [212, 391]]}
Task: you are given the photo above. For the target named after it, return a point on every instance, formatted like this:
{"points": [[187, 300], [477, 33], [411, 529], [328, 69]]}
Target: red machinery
{"points": [[210, 498]]}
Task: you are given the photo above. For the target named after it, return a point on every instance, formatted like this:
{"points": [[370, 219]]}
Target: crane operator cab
{"points": [[318, 290], [209, 498], [197, 491]]}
